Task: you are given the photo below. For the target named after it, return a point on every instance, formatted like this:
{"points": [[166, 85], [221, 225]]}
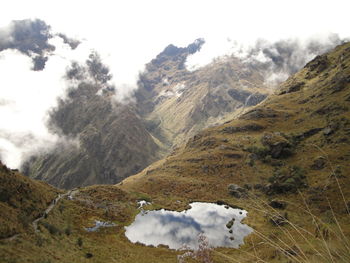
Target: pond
{"points": [[98, 225], [220, 224]]}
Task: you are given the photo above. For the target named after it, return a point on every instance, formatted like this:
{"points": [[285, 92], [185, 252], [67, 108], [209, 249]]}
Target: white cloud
{"points": [[128, 34], [27, 96]]}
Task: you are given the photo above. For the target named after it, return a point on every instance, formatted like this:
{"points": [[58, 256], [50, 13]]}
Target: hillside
{"points": [[178, 103], [286, 162], [117, 139], [43, 224], [289, 152], [21, 201], [107, 152]]}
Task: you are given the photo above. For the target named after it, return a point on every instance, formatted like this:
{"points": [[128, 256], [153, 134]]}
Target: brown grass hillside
{"points": [[21, 201], [293, 148], [286, 162]]}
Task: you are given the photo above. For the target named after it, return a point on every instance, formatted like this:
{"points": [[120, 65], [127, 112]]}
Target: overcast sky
{"points": [[130, 33], [133, 31]]}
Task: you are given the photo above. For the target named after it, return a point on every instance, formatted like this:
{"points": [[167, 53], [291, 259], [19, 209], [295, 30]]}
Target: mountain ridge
{"points": [[120, 139], [285, 161]]}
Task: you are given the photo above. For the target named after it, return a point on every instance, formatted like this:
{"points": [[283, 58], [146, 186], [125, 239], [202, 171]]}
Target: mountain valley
{"points": [[217, 134]]}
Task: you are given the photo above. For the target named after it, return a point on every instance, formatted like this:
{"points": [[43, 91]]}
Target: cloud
{"points": [[30, 37], [26, 98], [126, 38], [276, 60]]}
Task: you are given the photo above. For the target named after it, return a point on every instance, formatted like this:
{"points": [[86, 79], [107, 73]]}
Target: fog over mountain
{"points": [[37, 46]]}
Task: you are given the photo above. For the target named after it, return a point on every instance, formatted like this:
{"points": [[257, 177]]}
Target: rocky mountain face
{"points": [[31, 37], [117, 140], [304, 127], [112, 141], [177, 103], [285, 161]]}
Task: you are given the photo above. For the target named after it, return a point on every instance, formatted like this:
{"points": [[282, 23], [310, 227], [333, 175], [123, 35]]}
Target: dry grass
{"points": [[316, 225]]}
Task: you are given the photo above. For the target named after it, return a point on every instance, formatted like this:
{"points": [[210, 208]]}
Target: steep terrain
{"points": [[21, 201], [113, 142], [286, 162], [43, 224], [177, 103], [116, 139]]}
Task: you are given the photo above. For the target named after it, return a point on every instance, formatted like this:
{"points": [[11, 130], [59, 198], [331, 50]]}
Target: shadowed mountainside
{"points": [[117, 140], [285, 161]]}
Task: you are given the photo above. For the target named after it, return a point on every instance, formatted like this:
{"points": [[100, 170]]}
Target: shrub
{"points": [[68, 231], [260, 152], [202, 254], [80, 242], [51, 228], [287, 180]]}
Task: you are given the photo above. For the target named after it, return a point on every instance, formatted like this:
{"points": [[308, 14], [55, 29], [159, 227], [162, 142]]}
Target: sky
{"points": [[129, 34]]}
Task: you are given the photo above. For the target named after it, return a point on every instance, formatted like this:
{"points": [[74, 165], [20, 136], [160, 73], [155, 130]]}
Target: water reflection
{"points": [[178, 228], [98, 225]]}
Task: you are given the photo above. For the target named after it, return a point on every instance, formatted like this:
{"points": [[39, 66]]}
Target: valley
{"points": [[284, 160]]}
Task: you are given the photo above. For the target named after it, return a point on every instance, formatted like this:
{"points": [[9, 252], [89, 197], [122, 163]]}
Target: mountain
{"points": [[177, 103], [117, 139], [32, 38], [21, 200], [285, 161], [113, 142]]}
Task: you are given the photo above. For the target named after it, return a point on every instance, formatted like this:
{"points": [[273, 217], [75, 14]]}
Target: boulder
{"points": [[278, 204], [319, 163], [278, 145], [237, 191]]}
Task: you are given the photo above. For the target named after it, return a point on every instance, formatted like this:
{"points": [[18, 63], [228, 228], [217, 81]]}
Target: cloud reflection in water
{"points": [[178, 228]]}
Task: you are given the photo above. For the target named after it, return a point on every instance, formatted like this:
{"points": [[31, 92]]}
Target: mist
{"points": [[28, 91], [276, 60], [127, 35]]}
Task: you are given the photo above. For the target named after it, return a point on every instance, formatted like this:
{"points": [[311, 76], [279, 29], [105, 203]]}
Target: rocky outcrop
{"points": [[113, 142], [173, 104]]}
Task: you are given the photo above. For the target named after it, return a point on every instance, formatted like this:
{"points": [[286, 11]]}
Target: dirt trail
{"points": [[70, 194]]}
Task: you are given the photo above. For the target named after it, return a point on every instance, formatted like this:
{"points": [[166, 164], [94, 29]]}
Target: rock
{"points": [[88, 255], [292, 88], [233, 155], [247, 186], [278, 204], [258, 186], [259, 114], [237, 191], [328, 131], [248, 127], [318, 64], [308, 133], [288, 179], [278, 145], [340, 81], [230, 223], [319, 163]]}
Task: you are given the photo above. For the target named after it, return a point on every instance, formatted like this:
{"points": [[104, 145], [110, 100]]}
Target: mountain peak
{"points": [[178, 54]]}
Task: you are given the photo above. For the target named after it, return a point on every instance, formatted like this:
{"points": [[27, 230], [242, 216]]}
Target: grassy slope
{"points": [[202, 170], [21, 200], [205, 100], [60, 231]]}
